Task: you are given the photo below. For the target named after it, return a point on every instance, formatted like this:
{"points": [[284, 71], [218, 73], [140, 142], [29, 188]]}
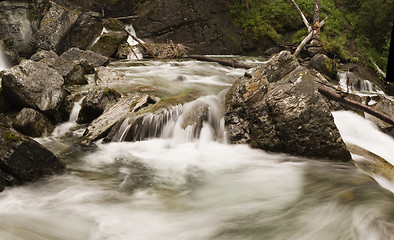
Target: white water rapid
{"points": [[176, 184]]}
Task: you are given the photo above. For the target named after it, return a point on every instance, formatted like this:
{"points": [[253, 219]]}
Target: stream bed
{"points": [[199, 187]]}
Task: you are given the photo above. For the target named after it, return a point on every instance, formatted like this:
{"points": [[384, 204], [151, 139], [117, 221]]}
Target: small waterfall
{"points": [[201, 119], [146, 126], [133, 44], [349, 82], [97, 38], [4, 63], [63, 128]]}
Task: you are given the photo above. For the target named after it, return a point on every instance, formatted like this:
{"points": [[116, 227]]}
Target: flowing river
{"points": [[180, 185]]}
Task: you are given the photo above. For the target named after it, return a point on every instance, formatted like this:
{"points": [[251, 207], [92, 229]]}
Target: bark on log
{"points": [[342, 99], [302, 16], [225, 62], [137, 40], [307, 39]]}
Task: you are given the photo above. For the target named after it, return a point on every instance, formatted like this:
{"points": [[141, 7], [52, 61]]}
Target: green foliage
{"points": [[267, 18], [365, 22]]}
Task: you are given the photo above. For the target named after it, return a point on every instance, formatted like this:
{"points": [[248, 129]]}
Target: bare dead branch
{"points": [[307, 39], [302, 16]]}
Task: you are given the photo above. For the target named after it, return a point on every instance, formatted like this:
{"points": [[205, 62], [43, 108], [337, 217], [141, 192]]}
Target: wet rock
{"points": [[35, 85], [54, 27], [104, 75], [68, 104], [324, 65], [66, 63], [280, 110], [384, 105], [23, 159], [101, 125], [32, 123], [95, 102]]}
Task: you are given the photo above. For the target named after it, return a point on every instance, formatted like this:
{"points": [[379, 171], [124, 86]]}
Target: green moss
{"points": [[168, 102], [11, 137], [113, 24]]}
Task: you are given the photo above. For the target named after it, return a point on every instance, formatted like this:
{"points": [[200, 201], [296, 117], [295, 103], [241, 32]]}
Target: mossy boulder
{"points": [[324, 65], [108, 43], [23, 159], [277, 108]]}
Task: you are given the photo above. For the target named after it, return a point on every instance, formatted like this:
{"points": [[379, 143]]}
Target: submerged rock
{"points": [[23, 159], [35, 85], [104, 75], [32, 123], [279, 109]]}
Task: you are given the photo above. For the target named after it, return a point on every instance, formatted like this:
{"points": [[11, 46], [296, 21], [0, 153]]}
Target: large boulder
{"points": [[74, 61], [35, 85], [32, 123], [205, 26], [23, 159], [17, 27], [277, 107], [324, 65], [81, 35], [54, 26]]}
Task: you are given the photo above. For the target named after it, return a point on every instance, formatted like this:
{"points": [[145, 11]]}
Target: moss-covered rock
{"points": [[23, 159], [324, 65], [278, 108], [108, 43]]}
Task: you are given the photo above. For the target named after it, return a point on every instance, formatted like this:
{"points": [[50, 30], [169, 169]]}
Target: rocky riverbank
{"points": [[274, 106]]}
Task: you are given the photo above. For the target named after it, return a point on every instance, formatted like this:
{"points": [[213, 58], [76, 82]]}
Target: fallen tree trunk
{"points": [[225, 62], [137, 40], [342, 99]]}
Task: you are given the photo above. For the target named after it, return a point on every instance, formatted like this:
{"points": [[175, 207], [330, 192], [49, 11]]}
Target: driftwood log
{"points": [[341, 98]]}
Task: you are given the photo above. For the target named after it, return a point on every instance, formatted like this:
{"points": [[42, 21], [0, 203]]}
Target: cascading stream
{"points": [[181, 180]]}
